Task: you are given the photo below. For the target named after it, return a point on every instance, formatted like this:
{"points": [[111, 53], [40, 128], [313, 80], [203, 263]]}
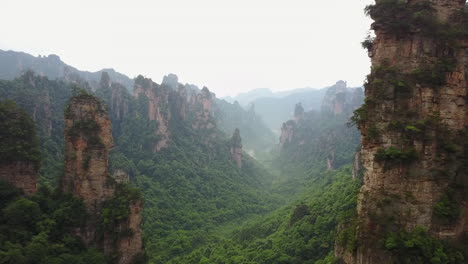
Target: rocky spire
{"points": [[171, 80], [335, 99], [19, 148], [236, 148], [298, 112], [88, 140], [105, 81], [414, 150]]}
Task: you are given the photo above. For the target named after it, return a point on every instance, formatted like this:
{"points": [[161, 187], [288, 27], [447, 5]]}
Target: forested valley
{"points": [[205, 198], [98, 167]]}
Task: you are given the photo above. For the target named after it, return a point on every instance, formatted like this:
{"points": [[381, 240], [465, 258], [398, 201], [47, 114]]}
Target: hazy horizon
{"points": [[229, 47]]}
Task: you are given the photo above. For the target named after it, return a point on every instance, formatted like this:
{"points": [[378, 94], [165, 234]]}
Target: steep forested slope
{"points": [[302, 232], [314, 174]]}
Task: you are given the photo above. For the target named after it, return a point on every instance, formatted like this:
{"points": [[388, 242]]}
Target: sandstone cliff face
{"points": [[287, 132], [117, 98], [174, 102], [131, 247], [41, 109], [157, 107], [202, 104], [413, 127], [88, 140], [236, 148]]}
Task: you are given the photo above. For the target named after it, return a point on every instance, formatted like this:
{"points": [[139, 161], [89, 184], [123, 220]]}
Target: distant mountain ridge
{"points": [[275, 107], [13, 64], [249, 97]]}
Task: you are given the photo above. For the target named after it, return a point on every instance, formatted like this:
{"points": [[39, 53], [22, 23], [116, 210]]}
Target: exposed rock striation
{"points": [[157, 102], [414, 144], [88, 140], [170, 102]]}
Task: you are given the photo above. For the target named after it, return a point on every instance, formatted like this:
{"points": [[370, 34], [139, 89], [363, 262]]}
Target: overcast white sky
{"points": [[229, 46]]}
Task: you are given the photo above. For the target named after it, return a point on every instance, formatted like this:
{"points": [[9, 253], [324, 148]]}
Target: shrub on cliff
{"points": [[418, 247], [18, 141]]}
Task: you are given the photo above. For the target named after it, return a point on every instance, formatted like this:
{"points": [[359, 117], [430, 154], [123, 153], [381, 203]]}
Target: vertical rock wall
{"points": [[413, 126]]}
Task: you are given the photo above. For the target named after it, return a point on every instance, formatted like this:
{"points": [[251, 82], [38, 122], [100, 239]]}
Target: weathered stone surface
{"points": [[186, 101], [287, 132], [411, 189], [132, 246], [88, 140], [87, 152], [157, 108]]}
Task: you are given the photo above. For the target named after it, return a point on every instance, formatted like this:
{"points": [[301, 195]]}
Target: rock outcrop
{"points": [[19, 148], [414, 145], [236, 148], [338, 104], [88, 140], [117, 98], [340, 99], [357, 165], [298, 112], [172, 101], [287, 132], [203, 109], [158, 110]]}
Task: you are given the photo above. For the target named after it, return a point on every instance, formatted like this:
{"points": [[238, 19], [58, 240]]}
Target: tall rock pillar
{"points": [[88, 140], [413, 123], [236, 148]]}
